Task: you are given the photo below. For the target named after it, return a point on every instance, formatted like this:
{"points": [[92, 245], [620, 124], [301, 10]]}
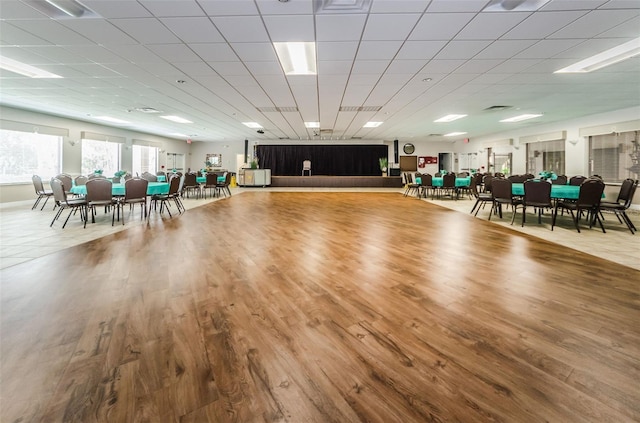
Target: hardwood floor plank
{"points": [[319, 307]]}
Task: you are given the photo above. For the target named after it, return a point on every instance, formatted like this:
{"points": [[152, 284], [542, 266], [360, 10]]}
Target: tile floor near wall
{"points": [[25, 234]]}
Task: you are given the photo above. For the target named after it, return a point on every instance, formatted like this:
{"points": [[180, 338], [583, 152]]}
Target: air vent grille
{"points": [[277, 109], [360, 108], [496, 108]]}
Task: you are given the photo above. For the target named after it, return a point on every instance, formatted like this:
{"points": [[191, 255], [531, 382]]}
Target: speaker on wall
{"points": [[395, 151]]}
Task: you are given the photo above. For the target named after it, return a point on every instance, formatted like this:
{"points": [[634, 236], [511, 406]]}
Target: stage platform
{"points": [[337, 181]]}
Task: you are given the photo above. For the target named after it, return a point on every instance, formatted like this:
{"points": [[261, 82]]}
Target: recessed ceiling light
{"points": [[427, 80], [312, 124], [253, 125], [177, 119], [521, 117], [449, 118], [297, 58], [454, 134], [372, 124], [606, 58], [110, 119], [24, 69]]}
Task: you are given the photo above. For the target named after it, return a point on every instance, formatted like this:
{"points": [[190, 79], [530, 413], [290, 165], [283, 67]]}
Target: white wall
{"points": [[72, 154]]}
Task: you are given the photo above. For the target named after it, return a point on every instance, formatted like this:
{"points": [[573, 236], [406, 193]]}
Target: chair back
{"points": [[488, 183], [625, 190], [99, 190], [95, 176], [174, 184], [149, 177], [438, 174], [135, 188], [528, 176], [81, 180], [577, 180], [211, 179], [306, 165], [501, 189], [632, 192], [180, 183], [473, 186], [161, 174], [426, 180], [190, 180], [537, 192], [37, 184], [58, 191], [66, 180], [449, 180], [560, 180], [590, 193]]}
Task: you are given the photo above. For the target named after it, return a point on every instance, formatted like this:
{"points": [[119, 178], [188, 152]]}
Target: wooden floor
{"points": [[320, 307]]}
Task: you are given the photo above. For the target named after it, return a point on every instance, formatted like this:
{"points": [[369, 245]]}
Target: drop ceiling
{"points": [[405, 63]]}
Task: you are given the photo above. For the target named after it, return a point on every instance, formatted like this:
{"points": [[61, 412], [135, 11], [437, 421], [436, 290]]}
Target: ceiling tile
{"points": [[174, 8], [442, 66], [456, 6], [174, 52], [99, 31], [339, 27], [292, 28], [440, 26], [514, 65], [146, 31], [589, 48], [52, 31], [542, 24], [11, 35], [25, 55], [334, 67], [406, 66], [214, 52], [376, 67], [504, 49], [389, 26], [572, 5], [194, 69], [461, 49], [299, 7], [93, 53], [193, 30], [229, 68], [372, 50], [335, 50], [628, 29], [477, 65], [13, 9], [594, 23], [489, 26], [264, 68], [242, 29], [255, 52], [420, 49], [228, 7], [545, 49], [399, 6], [113, 9]]}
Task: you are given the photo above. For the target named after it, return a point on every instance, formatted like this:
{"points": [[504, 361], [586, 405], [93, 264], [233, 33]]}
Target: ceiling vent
{"points": [[63, 9], [342, 6], [436, 135], [360, 108], [514, 5], [277, 109], [147, 110], [356, 138], [497, 108]]}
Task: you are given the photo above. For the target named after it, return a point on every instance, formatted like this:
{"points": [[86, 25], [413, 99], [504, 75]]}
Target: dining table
{"points": [[203, 179], [558, 191], [118, 189], [437, 181]]}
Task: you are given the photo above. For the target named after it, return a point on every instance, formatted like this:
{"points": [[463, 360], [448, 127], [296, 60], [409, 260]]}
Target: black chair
{"points": [[502, 195], [191, 185], [172, 195], [588, 201], [577, 180], [560, 180], [411, 185], [426, 185], [487, 181], [449, 185], [40, 192], [211, 183], [99, 193], [135, 192], [74, 204], [622, 203], [481, 197], [537, 194], [224, 185]]}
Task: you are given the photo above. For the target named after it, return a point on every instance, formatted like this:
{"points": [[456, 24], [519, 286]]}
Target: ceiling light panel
{"points": [[606, 58], [312, 124], [24, 69], [298, 58], [372, 124], [252, 125], [454, 134], [110, 119], [176, 119], [449, 118], [520, 118]]}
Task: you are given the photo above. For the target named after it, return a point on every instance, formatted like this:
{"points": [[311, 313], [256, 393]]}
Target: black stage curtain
{"points": [[333, 160]]}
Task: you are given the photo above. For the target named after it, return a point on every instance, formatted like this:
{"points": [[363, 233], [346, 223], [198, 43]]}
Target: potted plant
{"points": [[384, 162], [254, 164]]}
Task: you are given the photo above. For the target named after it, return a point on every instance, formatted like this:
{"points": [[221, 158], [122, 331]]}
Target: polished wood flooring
{"points": [[320, 307]]}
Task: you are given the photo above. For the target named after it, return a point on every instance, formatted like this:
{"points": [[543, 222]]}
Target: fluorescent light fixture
{"points": [[177, 119], [449, 118], [454, 134], [24, 69], [312, 124], [177, 134], [606, 58], [372, 124], [297, 58], [68, 7], [521, 117], [514, 5], [253, 125], [110, 119]]}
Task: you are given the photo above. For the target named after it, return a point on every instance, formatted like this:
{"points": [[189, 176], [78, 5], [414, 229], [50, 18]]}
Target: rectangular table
{"points": [[437, 181], [118, 189], [568, 192], [203, 179]]}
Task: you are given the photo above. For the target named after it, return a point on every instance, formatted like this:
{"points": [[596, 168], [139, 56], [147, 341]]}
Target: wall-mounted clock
{"points": [[408, 148]]}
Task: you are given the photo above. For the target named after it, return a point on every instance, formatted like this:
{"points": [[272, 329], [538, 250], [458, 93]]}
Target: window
{"points": [[615, 157], [100, 155], [546, 156], [145, 159], [24, 154]]}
